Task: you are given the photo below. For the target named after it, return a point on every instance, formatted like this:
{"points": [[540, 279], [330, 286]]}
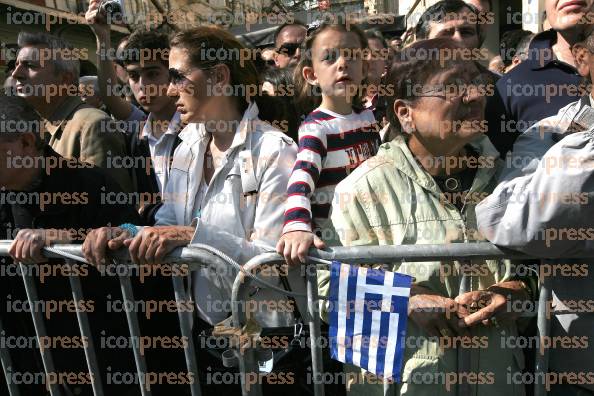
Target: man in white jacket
{"points": [[544, 206]]}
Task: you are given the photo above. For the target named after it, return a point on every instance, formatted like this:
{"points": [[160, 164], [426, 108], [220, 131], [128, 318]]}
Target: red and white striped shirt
{"points": [[331, 146]]}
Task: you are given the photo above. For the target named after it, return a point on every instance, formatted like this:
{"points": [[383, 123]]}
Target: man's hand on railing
{"points": [[28, 244], [98, 240]]}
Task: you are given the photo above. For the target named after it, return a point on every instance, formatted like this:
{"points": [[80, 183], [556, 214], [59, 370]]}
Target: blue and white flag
{"points": [[368, 312]]}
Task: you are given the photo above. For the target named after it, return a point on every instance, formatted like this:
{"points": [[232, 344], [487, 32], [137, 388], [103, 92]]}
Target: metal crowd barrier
{"points": [[196, 257], [373, 255]]}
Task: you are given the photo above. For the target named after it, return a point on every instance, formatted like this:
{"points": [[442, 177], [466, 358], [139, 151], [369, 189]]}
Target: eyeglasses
{"points": [[288, 49], [454, 89]]}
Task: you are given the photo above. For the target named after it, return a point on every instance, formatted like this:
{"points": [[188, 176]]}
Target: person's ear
{"points": [[403, 111], [309, 75], [276, 61], [582, 59], [219, 76], [29, 143]]}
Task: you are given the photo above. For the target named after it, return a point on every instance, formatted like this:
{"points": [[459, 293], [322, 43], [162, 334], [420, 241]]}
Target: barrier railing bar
{"points": [[134, 328], [194, 258], [6, 361], [186, 330], [46, 355], [85, 331]]}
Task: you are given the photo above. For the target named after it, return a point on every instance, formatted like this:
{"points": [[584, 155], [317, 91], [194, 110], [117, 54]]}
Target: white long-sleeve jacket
{"points": [[240, 225]]}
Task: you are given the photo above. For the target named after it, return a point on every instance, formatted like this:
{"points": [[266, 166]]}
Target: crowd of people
{"points": [[334, 137]]}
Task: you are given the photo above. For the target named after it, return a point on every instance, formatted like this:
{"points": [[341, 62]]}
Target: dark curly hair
{"points": [[142, 40]]}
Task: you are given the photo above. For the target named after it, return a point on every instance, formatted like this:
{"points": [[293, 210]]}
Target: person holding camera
{"points": [[145, 57]]}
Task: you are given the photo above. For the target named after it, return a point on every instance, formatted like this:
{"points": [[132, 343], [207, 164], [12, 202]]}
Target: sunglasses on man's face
{"points": [[288, 49]]}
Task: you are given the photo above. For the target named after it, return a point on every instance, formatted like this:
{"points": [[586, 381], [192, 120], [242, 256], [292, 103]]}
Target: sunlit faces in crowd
{"points": [[88, 88], [337, 63], [34, 76], [189, 84], [376, 63], [460, 29], [149, 82], [445, 123], [288, 44], [568, 14]]}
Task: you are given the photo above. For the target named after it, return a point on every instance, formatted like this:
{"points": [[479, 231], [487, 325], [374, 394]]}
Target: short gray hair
{"points": [[17, 116], [90, 80], [45, 40]]}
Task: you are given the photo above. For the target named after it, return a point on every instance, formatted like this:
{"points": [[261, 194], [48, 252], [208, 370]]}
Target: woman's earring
{"points": [[408, 128], [316, 90]]}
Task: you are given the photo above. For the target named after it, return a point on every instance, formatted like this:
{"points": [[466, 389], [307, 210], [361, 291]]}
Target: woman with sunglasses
{"points": [[227, 186], [422, 188]]}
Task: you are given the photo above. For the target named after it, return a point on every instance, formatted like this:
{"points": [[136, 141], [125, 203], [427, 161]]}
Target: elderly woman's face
{"points": [[450, 110]]}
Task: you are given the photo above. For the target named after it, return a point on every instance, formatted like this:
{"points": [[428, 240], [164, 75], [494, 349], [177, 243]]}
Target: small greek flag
{"points": [[368, 312]]}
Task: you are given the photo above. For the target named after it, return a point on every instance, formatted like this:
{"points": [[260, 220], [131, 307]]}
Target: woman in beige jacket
{"points": [[422, 188]]}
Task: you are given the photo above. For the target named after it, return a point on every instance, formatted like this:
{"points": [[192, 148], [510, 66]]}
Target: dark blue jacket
{"points": [[535, 89]]}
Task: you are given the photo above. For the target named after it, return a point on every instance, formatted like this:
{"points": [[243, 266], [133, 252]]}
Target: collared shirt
{"points": [[135, 120], [537, 88], [161, 148]]}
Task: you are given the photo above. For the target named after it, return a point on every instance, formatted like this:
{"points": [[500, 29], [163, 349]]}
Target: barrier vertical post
{"points": [[544, 329], [134, 328], [46, 356], [6, 361], [314, 328], [463, 355], [85, 332], [186, 330]]}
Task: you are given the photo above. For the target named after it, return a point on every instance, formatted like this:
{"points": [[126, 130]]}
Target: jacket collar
{"points": [[398, 152], [247, 125], [567, 115], [541, 54], [192, 133], [63, 114]]}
